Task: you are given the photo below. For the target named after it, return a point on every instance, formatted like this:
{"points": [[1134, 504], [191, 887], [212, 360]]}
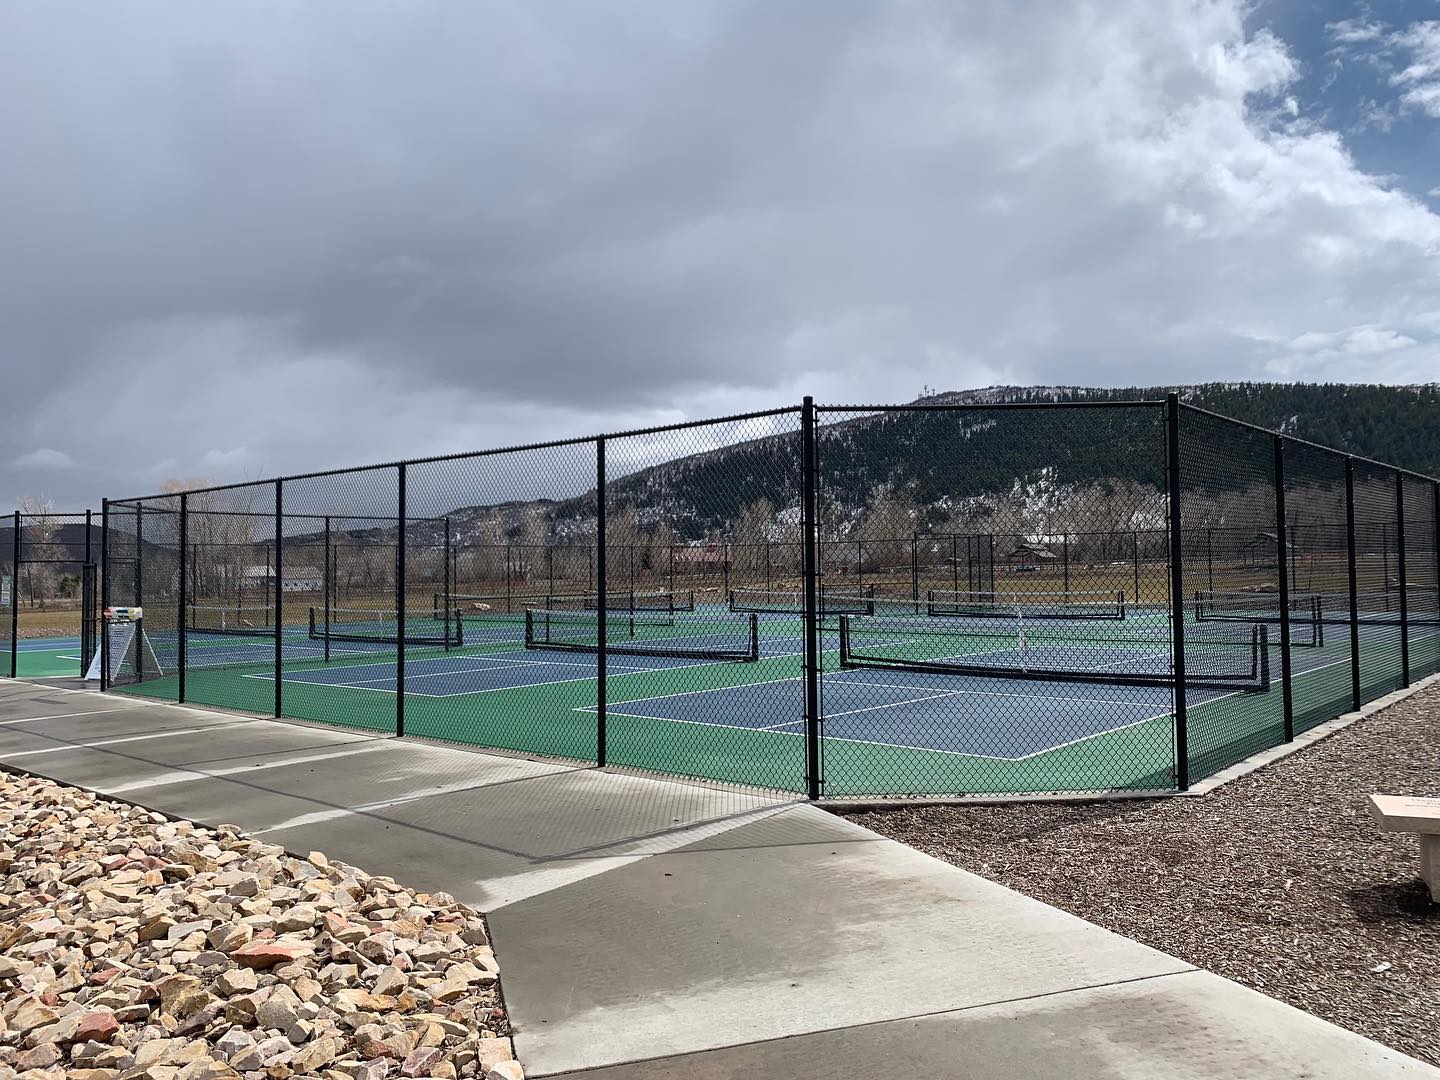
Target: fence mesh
{"points": [[42, 576], [999, 598], [9, 597], [733, 708], [1228, 502], [1317, 562], [1015, 635]]}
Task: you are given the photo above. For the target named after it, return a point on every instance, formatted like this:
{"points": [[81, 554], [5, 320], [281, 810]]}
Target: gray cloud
{"points": [[250, 239]]}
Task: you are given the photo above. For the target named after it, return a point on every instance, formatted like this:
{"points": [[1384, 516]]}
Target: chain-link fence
{"points": [[44, 628], [844, 601]]}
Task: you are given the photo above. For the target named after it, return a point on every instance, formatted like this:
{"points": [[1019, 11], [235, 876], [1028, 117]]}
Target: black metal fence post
{"points": [[279, 601], [1281, 542], [183, 593], [1404, 580], [1135, 559], [602, 580], [1177, 590], [1352, 582], [87, 627], [400, 603], [104, 594], [809, 527], [15, 601], [915, 571], [325, 586], [140, 592], [445, 555]]}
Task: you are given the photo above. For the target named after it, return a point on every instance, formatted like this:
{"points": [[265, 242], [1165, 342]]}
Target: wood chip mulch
{"points": [[1280, 880]]}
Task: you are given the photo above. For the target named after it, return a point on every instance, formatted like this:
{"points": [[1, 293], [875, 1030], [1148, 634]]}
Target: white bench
{"points": [[1411, 813]]}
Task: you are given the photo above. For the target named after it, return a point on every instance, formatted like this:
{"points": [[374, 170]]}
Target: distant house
{"points": [[301, 580], [702, 555]]}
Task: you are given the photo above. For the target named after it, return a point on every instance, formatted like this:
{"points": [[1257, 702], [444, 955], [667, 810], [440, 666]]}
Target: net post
{"points": [[182, 599], [1177, 590], [1404, 582], [445, 555], [15, 601], [1281, 543], [325, 587], [400, 602], [602, 580], [810, 558], [1352, 583], [279, 600], [104, 594]]}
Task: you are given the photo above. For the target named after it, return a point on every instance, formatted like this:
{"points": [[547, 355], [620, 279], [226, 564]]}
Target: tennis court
{"points": [[528, 681], [841, 601]]}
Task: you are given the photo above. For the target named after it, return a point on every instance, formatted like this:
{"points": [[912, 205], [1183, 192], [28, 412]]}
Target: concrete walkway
{"points": [[649, 928]]}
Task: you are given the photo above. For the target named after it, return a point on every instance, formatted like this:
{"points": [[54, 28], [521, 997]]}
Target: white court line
{"points": [[316, 816], [126, 739], [185, 775], [357, 684], [1012, 693], [70, 715]]}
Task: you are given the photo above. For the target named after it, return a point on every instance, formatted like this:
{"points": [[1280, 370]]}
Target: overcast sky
{"points": [[244, 239]]}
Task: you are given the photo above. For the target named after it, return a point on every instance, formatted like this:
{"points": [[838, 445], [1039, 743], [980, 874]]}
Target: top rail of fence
{"points": [[1297, 441], [993, 406], [462, 455]]}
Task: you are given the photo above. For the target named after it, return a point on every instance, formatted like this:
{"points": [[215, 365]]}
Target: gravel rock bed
{"points": [[1279, 880], [133, 947]]}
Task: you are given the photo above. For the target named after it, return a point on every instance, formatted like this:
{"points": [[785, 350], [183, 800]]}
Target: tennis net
{"points": [[832, 601], [383, 627], [1307, 622], [517, 603], [1048, 605], [639, 633], [1219, 657], [231, 621]]}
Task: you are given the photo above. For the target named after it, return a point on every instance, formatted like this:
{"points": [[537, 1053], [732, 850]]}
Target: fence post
{"points": [[15, 601], [1281, 542], [325, 587], [183, 600], [602, 580], [1404, 588], [809, 557], [1135, 559], [1210, 558], [279, 598], [1352, 580], [915, 571], [104, 593], [400, 602], [1177, 590], [445, 556], [87, 622], [140, 590]]}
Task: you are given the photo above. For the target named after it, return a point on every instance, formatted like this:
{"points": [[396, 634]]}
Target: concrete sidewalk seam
{"points": [[1189, 970]]}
